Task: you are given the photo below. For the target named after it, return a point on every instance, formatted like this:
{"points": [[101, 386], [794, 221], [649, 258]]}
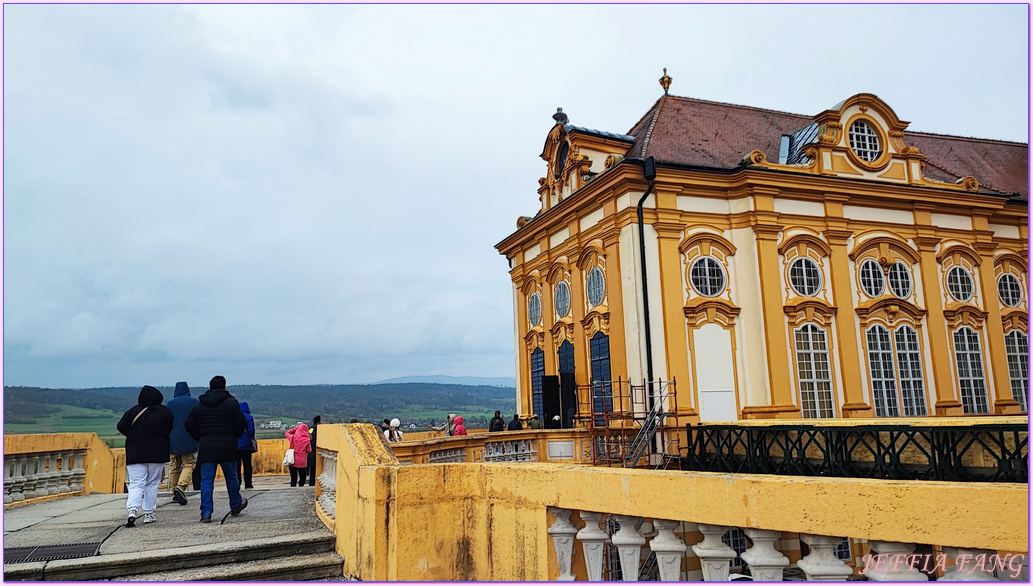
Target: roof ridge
{"points": [[652, 124], [752, 108]]}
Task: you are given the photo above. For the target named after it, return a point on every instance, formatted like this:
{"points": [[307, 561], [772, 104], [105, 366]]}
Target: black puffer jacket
{"points": [[216, 423], [147, 440]]}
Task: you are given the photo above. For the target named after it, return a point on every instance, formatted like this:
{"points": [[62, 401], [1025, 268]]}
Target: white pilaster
{"points": [[714, 555], [821, 564], [766, 562], [563, 532], [592, 538]]}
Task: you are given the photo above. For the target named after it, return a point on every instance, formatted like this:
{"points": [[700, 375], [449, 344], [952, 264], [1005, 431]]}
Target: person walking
{"points": [[460, 428], [515, 424], [312, 455], [299, 441], [147, 426], [497, 423], [393, 433], [246, 445], [182, 447], [216, 423]]}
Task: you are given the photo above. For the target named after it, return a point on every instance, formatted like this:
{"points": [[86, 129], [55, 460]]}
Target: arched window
{"points": [[805, 277], [894, 365], [813, 372], [971, 377], [1016, 346], [596, 286], [561, 299], [960, 284], [707, 276], [566, 357], [900, 280], [602, 394], [537, 373], [872, 282]]}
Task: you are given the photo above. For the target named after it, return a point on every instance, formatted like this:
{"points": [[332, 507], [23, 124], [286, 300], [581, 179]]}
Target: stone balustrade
{"points": [[686, 551], [327, 479], [40, 474], [518, 450]]}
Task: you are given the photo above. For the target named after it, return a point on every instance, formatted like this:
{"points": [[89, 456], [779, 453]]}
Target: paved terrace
{"points": [[276, 512]]}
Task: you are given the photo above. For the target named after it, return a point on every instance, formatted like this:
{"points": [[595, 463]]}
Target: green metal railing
{"points": [[969, 453]]}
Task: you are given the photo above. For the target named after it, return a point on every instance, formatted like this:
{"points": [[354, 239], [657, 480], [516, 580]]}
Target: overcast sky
{"points": [[312, 194]]}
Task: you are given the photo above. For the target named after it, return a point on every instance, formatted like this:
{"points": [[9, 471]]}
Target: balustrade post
{"points": [[63, 476], [669, 549], [969, 558], [8, 481], [592, 538], [766, 562], [328, 483], [50, 477], [18, 478], [35, 477], [629, 544], [714, 555], [78, 470], [892, 563], [821, 564], [563, 532]]}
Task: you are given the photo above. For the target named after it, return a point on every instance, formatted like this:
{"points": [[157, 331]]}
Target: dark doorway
{"points": [[552, 412], [568, 385]]}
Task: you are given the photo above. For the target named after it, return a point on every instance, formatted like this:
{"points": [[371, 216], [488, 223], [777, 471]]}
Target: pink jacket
{"points": [[299, 439], [460, 428]]}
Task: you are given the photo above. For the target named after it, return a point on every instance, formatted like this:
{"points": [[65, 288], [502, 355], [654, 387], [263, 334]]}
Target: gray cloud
{"points": [[306, 194]]}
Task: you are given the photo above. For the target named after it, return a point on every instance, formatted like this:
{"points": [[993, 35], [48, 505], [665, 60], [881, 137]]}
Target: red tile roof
{"points": [[688, 131]]}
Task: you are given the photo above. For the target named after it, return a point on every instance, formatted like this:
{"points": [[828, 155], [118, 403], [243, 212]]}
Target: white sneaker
{"points": [[131, 519], [149, 518]]}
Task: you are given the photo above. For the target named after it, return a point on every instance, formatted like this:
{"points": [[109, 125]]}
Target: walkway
{"points": [[275, 510]]}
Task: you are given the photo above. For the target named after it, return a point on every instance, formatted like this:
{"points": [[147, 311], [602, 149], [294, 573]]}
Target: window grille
{"points": [[959, 284], [596, 286], [736, 539], [872, 282], [805, 277], [900, 280], [707, 276], [970, 371], [534, 309], [880, 365], [562, 299], [842, 550], [1016, 346], [864, 140], [1009, 290], [537, 373], [813, 372], [909, 369]]}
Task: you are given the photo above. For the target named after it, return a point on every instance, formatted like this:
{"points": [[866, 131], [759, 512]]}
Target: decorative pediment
{"points": [[535, 338], [964, 314], [701, 311], [597, 320], [890, 311], [862, 138], [810, 311], [562, 330]]}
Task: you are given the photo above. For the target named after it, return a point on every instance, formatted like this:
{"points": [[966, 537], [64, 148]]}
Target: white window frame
{"points": [[601, 286], [894, 277], [534, 308], [959, 287], [1012, 285], [873, 283], [968, 362], [882, 372], [864, 141], [908, 353], [561, 286], [809, 281], [1016, 347], [814, 372], [713, 276]]}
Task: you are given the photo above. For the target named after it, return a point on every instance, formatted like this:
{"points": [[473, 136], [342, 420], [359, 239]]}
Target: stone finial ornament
{"points": [[560, 117]]}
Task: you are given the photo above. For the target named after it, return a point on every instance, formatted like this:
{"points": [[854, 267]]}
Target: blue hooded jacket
{"points": [[181, 405], [244, 442]]}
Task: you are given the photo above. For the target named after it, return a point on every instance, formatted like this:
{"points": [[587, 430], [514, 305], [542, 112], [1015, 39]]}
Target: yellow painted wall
{"points": [[488, 521]]}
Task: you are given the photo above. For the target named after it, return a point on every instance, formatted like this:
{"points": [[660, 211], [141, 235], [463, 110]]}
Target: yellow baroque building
{"points": [[772, 265]]}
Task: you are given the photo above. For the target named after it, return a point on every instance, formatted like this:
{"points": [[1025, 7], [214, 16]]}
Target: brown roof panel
{"points": [[688, 131]]}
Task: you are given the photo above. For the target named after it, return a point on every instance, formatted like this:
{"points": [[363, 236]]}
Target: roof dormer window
{"points": [[864, 141], [561, 159]]}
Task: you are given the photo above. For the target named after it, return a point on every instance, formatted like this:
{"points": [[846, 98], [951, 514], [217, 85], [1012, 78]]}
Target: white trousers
{"points": [[143, 486]]}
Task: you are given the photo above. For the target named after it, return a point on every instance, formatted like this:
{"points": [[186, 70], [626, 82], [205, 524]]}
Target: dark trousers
{"points": [[311, 472], [196, 480], [298, 476], [244, 467]]}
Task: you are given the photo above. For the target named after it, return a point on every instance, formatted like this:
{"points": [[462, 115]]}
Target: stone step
{"points": [[315, 566], [113, 566]]}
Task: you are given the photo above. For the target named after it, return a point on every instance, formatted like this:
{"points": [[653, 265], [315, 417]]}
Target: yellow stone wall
{"points": [[477, 521]]}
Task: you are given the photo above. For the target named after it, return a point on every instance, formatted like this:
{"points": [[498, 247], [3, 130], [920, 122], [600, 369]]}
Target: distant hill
{"points": [[473, 381], [300, 402]]}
